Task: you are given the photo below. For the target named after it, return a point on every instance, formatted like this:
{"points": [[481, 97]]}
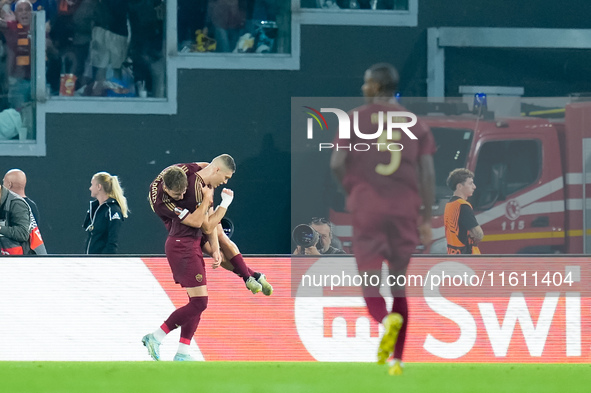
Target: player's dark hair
{"points": [[226, 161], [385, 75], [175, 179], [458, 176]]}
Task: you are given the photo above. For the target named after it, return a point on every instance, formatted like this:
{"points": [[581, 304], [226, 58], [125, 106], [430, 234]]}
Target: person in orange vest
{"points": [[19, 234], [462, 231]]}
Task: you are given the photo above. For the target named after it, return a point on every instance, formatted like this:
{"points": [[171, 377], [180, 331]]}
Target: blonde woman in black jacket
{"points": [[105, 215]]}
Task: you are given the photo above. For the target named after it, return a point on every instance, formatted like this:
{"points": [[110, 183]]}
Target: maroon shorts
{"points": [[378, 237], [186, 261]]}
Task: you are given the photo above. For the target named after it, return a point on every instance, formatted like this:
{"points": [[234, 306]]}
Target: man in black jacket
{"points": [[16, 181], [15, 221]]}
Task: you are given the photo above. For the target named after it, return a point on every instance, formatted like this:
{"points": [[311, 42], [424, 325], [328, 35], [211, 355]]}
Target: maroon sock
{"points": [[188, 329], [401, 307], [377, 308], [187, 313], [240, 267], [376, 305]]}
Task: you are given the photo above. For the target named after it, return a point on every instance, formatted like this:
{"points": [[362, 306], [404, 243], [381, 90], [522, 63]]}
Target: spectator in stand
{"points": [[49, 6], [108, 47], [228, 17], [19, 54], [6, 10], [71, 34], [146, 19]]}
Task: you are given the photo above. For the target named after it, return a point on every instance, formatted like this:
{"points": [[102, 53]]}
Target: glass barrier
{"points": [[112, 48], [360, 12], [17, 64], [357, 4], [234, 26]]}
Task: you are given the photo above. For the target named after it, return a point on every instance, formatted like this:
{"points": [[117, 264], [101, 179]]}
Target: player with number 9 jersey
{"points": [[384, 177], [387, 177]]}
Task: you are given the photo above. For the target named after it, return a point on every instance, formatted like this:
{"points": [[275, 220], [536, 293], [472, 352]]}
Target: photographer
{"points": [[315, 238]]}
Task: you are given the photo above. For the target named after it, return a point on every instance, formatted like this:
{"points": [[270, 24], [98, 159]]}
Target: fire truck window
{"points": [[491, 155], [503, 168], [523, 164]]}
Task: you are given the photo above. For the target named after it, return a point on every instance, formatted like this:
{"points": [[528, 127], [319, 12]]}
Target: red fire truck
{"points": [[529, 173]]}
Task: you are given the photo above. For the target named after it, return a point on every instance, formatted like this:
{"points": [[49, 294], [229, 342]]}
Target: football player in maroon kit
{"points": [[182, 196], [213, 176], [385, 186]]}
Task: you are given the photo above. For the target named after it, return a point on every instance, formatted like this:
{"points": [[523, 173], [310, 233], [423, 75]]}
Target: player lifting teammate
{"points": [[182, 196]]}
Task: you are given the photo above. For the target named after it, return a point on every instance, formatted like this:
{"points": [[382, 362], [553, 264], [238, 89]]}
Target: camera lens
{"points": [[305, 236], [227, 226]]}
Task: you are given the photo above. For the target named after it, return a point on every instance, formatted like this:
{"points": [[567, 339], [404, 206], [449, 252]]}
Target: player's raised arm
{"points": [[216, 216]]}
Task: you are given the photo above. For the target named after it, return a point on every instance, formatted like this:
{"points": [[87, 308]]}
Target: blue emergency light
{"points": [[480, 104]]}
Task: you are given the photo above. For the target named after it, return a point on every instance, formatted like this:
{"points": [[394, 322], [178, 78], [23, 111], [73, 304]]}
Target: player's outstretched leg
{"points": [[392, 324], [255, 282], [251, 280], [234, 262]]}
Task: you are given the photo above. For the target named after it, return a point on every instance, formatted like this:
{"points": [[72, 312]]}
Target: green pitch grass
{"points": [[236, 377]]}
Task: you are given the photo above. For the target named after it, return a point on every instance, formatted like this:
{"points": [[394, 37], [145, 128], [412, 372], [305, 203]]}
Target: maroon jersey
{"points": [[172, 212], [384, 181]]}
